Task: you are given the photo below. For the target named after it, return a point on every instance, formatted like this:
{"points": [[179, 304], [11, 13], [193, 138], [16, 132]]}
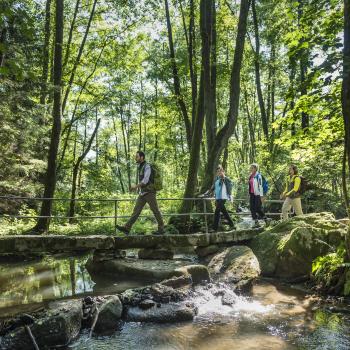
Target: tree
{"points": [[50, 179]]}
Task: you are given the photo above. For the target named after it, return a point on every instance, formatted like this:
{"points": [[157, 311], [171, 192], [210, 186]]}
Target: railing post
{"points": [[115, 214], [205, 215]]}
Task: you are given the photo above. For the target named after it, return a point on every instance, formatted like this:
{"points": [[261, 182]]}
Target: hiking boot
{"points": [[122, 229]]}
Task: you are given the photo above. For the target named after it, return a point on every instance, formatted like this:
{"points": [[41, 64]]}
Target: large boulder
{"points": [[288, 249], [162, 313], [236, 265], [155, 254], [110, 312], [57, 326], [152, 270]]}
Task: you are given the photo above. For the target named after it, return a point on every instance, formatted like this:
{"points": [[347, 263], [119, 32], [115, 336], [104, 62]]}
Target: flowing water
{"points": [[273, 317]]}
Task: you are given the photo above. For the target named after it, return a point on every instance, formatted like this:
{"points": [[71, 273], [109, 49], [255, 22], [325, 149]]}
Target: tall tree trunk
{"points": [[76, 170], [263, 113], [192, 59], [346, 80], [118, 156], [177, 89], [46, 53], [2, 42], [210, 99], [80, 53], [50, 180], [303, 64], [227, 130], [70, 35], [204, 87]]}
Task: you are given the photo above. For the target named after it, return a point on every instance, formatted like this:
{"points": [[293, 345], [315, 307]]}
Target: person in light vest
{"points": [[291, 194], [222, 189], [147, 194], [256, 192]]}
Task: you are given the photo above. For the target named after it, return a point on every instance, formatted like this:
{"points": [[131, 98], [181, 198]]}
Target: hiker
{"points": [[291, 194], [256, 191], [147, 194], [222, 189]]}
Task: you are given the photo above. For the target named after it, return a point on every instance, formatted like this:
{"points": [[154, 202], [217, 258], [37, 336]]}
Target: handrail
{"points": [[118, 200]]}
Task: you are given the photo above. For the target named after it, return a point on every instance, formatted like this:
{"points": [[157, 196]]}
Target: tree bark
{"points": [[77, 61], [118, 156], [70, 36], [76, 170], [177, 89], [46, 53], [346, 80], [303, 63], [227, 130], [264, 118], [50, 183], [210, 99], [204, 87]]}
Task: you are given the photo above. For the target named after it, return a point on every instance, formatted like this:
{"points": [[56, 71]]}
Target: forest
{"points": [[84, 84]]}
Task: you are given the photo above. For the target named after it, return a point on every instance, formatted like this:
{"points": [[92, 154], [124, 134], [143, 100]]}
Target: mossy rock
{"points": [[288, 249]]}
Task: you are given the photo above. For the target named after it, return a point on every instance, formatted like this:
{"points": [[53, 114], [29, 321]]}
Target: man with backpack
{"points": [[294, 188], [256, 184], [150, 182]]}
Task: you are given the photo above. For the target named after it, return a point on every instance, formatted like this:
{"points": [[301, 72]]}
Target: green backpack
{"points": [[156, 179]]}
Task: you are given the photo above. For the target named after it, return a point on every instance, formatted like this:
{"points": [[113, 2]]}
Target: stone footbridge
{"points": [[27, 244]]}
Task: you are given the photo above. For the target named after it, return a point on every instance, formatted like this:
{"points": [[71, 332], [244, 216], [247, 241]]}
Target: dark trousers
{"points": [[151, 199], [220, 208], [255, 207]]}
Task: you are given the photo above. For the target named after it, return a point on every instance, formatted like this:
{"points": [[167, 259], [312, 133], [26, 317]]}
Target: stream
{"points": [[275, 316]]}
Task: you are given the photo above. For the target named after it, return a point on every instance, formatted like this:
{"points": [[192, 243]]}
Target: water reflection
{"points": [[50, 278]]}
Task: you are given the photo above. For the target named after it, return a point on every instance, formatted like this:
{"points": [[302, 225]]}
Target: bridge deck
{"points": [[58, 243]]}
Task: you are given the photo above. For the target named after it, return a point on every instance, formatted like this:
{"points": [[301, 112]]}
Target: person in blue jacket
{"points": [[222, 189]]}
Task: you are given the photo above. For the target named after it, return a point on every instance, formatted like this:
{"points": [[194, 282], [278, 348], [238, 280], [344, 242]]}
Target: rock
{"points": [[156, 241], [199, 273], [55, 327], [157, 254], [146, 304], [345, 221], [229, 298], [178, 282], [152, 270], [110, 312], [156, 292], [171, 312], [237, 265], [103, 255], [288, 249], [205, 251]]}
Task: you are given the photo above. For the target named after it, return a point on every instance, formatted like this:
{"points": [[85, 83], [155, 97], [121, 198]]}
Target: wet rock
{"points": [[235, 265], [55, 327], [110, 312], [178, 282], [171, 312], [288, 249], [198, 273], [156, 292], [205, 251], [146, 304], [156, 254], [229, 298]]}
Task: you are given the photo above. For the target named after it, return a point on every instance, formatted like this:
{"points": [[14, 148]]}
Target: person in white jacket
{"points": [[255, 187]]}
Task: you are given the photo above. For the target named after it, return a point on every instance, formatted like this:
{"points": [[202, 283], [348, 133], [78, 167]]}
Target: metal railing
{"points": [[116, 202]]}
